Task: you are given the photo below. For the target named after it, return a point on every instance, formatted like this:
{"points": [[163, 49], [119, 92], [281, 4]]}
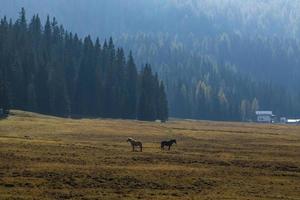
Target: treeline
{"points": [[49, 70], [181, 18]]}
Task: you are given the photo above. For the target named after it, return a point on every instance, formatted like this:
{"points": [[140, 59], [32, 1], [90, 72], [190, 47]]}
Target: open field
{"points": [[51, 158]]}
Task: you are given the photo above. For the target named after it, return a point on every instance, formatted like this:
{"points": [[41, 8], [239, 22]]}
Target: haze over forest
{"points": [[219, 60]]}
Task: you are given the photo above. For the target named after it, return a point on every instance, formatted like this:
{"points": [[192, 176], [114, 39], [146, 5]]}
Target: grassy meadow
{"points": [[45, 157]]}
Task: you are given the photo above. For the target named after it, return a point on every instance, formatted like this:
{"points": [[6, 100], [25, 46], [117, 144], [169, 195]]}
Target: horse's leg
{"points": [[132, 147], [141, 147], [169, 147]]}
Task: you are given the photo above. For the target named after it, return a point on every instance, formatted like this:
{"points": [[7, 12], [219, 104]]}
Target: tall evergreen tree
{"points": [[147, 100], [85, 94], [4, 104], [131, 80], [163, 112]]}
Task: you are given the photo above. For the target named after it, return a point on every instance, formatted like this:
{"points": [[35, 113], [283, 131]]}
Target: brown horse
{"points": [[134, 143]]}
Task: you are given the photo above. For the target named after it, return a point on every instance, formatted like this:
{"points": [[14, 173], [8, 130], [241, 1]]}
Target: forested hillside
{"points": [[202, 85], [49, 70], [219, 60]]}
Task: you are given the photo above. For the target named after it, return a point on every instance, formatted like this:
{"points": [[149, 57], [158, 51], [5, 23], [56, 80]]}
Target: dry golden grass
{"points": [[52, 158]]}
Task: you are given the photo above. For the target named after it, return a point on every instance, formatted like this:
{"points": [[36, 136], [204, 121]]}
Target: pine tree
{"points": [[163, 112], [108, 64], [99, 76], [22, 22], [147, 99], [119, 84], [85, 95], [47, 33], [131, 80], [42, 90], [4, 104]]}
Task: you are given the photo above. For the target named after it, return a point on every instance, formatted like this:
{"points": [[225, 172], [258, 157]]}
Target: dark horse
{"points": [[167, 143]]}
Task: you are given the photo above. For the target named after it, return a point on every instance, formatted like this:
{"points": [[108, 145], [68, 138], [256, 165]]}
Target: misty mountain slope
{"points": [[232, 31], [223, 47]]}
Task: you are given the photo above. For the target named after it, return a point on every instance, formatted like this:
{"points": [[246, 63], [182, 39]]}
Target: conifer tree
{"points": [[131, 80], [147, 99], [86, 86], [163, 112], [4, 104]]}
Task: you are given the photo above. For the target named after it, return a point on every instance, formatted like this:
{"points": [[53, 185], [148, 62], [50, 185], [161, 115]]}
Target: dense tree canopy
{"points": [[49, 70]]}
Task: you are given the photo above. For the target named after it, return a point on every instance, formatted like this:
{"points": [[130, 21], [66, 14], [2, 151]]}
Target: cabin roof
{"points": [[261, 112]]}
